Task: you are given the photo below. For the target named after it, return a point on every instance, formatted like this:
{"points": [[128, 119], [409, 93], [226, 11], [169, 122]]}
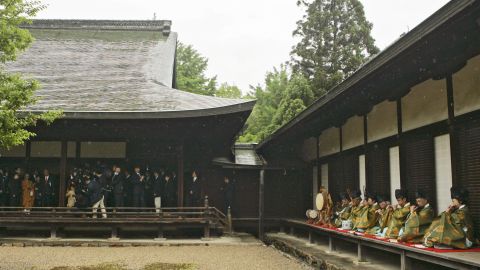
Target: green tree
{"points": [[228, 91], [335, 41], [16, 93], [191, 67]]}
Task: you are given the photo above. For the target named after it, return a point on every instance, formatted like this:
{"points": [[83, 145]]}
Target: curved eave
{"points": [[114, 115]]}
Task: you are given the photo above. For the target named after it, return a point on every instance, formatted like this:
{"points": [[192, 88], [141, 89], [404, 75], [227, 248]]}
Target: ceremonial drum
{"points": [[313, 214], [320, 201], [347, 224]]}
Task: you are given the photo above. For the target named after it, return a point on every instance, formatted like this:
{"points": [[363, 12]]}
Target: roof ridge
{"points": [[133, 25]]}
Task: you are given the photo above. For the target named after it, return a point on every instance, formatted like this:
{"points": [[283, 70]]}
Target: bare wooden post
{"points": [[310, 237], [261, 205], [229, 220], [360, 253], [206, 202], [53, 232], [63, 172], [331, 244], [404, 261], [180, 175]]}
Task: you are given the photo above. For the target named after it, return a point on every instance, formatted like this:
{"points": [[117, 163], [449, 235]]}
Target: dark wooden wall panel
{"points": [[468, 164], [419, 166], [378, 170]]}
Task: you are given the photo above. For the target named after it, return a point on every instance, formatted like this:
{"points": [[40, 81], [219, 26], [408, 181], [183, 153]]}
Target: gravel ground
{"points": [[202, 257]]}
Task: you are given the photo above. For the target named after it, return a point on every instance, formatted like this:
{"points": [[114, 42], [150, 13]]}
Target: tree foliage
{"points": [[335, 41], [16, 93], [228, 91], [191, 67]]}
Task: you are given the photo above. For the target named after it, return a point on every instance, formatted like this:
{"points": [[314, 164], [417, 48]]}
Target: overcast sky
{"points": [[243, 39]]}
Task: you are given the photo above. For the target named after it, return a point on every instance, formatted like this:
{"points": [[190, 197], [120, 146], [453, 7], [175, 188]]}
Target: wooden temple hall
{"points": [[115, 83]]}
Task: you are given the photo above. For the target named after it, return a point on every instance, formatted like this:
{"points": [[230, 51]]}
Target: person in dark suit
{"points": [[95, 195], [38, 191], [228, 193], [194, 190], [118, 180], [48, 190], [4, 188], [157, 183], [128, 187], [15, 187], [138, 182], [169, 192]]}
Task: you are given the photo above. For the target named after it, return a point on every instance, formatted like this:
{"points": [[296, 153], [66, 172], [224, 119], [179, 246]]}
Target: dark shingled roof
{"points": [[112, 69]]}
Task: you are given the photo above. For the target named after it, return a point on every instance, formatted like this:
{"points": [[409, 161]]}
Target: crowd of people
{"points": [[100, 186], [406, 222]]}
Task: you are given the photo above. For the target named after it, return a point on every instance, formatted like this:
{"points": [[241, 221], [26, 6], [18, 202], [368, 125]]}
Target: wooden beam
{"points": [[401, 151], [451, 129], [63, 173], [261, 205], [28, 152]]}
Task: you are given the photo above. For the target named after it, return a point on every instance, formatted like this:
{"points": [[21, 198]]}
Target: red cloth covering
{"points": [[370, 236]]}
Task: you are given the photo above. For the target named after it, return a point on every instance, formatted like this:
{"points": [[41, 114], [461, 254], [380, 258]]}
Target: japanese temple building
{"points": [[115, 82], [408, 118]]}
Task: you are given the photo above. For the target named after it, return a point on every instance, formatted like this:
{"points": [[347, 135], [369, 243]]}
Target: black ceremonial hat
{"points": [[400, 193], [381, 198], [371, 195], [420, 194], [356, 194], [459, 194], [344, 196]]}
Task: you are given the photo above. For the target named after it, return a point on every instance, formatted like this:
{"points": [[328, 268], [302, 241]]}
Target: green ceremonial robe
{"points": [[416, 225], [344, 214], [368, 217], [355, 214], [383, 221], [454, 229], [397, 221]]}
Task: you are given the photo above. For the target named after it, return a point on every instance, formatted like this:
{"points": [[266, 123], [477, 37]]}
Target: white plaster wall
{"points": [[394, 153], [46, 149], [382, 121], [71, 149], [16, 151], [466, 87], [329, 142], [425, 104], [103, 149], [324, 175], [309, 149], [443, 171], [352, 132], [362, 173]]}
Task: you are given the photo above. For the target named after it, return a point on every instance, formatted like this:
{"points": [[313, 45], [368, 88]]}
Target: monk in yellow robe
{"points": [[344, 210], [356, 208], [454, 227], [399, 214], [418, 221], [383, 216], [368, 217]]}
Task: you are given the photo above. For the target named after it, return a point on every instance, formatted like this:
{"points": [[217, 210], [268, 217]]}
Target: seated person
{"points": [[325, 214], [383, 216], [418, 221], [368, 217], [356, 209], [399, 214], [344, 210], [454, 227]]}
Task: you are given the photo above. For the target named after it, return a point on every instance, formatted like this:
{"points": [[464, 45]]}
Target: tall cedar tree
{"points": [[17, 93], [335, 41]]}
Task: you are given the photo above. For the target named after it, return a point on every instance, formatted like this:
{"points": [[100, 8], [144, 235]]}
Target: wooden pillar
{"points": [[401, 151], [28, 151], [451, 129], [63, 172], [261, 205], [180, 175]]}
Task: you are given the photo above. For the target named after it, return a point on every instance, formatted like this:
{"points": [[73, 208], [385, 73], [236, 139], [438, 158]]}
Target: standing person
{"points": [[128, 188], [3, 188], [194, 192], [228, 194], [48, 192], [38, 191], [118, 180], [94, 191], [71, 195], [138, 182], [28, 194], [157, 190], [15, 187], [169, 192]]}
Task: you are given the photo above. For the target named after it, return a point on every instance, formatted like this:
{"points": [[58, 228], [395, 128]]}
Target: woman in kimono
{"points": [[28, 194], [454, 227]]}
